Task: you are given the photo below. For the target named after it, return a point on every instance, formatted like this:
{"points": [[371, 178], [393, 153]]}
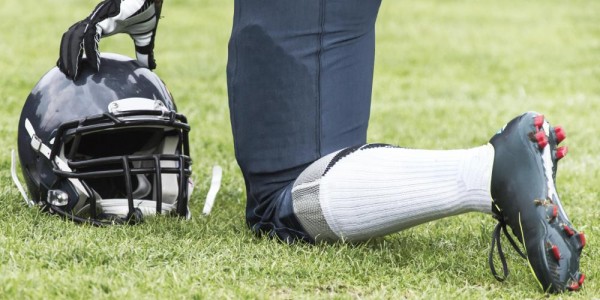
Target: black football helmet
{"points": [[106, 148]]}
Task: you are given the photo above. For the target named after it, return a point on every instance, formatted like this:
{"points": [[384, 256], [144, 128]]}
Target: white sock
{"points": [[373, 190]]}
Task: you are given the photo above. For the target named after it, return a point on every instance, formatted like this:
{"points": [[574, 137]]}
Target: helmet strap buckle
{"points": [[36, 143]]}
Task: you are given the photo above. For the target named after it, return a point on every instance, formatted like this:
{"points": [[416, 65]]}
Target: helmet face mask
{"points": [[112, 150]]}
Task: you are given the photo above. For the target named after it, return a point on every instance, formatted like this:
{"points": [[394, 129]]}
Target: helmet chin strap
{"points": [[15, 178], [120, 206], [215, 185]]}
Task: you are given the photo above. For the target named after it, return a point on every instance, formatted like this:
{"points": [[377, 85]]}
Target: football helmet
{"points": [[109, 147]]}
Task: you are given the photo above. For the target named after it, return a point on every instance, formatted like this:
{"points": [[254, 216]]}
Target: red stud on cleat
{"points": [[560, 134], [538, 121], [569, 231], [555, 252], [561, 152], [573, 287], [541, 139], [554, 212], [581, 279], [582, 239]]}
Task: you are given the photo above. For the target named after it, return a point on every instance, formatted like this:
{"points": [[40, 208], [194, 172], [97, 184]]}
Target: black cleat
{"points": [[525, 198]]}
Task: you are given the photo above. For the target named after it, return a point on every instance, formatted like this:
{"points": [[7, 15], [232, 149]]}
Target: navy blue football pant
{"points": [[299, 78]]}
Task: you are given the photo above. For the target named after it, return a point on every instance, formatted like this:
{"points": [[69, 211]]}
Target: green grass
{"points": [[448, 75]]}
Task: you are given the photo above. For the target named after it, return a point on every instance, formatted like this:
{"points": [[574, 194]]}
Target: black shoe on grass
{"points": [[525, 198]]}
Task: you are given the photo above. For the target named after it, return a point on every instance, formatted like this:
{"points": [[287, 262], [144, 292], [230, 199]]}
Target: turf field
{"points": [[449, 74]]}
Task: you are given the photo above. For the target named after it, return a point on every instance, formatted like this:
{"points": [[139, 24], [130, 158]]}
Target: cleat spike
{"points": [[573, 287], [554, 212], [555, 252], [582, 239], [538, 121], [560, 134], [568, 231], [561, 152], [541, 139], [581, 279]]}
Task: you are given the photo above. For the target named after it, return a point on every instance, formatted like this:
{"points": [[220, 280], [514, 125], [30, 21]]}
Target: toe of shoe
{"points": [[554, 259]]}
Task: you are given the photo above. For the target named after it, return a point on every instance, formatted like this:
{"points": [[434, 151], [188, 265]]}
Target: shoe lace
{"points": [[496, 237]]}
